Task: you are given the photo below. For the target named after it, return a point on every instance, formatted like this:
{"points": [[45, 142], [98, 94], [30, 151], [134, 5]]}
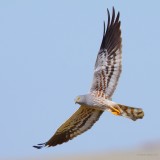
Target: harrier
{"points": [[107, 71]]}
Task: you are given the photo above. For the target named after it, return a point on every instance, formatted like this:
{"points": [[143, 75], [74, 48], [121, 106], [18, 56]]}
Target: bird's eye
{"points": [[78, 98]]}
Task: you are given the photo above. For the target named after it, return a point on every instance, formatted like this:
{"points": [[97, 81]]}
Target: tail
{"points": [[129, 112]]}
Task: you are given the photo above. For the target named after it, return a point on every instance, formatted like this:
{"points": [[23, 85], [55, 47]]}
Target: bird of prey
{"points": [[107, 71]]}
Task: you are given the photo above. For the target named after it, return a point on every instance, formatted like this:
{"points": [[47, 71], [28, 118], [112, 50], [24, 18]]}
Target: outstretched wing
{"points": [[82, 120], [108, 64]]}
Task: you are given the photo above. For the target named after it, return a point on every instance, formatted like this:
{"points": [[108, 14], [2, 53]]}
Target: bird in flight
{"points": [[107, 71]]}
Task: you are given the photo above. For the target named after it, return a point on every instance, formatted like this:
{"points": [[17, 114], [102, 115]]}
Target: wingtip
{"points": [[107, 10], [113, 10], [39, 146], [104, 30]]}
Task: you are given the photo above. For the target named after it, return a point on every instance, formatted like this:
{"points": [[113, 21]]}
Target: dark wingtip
{"points": [[108, 18], [113, 10], [39, 146], [104, 31]]}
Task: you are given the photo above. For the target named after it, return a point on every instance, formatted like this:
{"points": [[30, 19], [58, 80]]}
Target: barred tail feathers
{"points": [[131, 112], [126, 111]]}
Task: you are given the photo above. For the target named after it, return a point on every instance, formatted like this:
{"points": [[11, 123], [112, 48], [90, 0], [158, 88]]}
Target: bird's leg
{"points": [[115, 110]]}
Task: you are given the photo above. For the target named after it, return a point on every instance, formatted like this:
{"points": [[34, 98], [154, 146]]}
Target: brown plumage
{"points": [[107, 71], [82, 120]]}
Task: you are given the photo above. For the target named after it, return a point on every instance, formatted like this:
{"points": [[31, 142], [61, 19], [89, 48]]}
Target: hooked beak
{"points": [[75, 101]]}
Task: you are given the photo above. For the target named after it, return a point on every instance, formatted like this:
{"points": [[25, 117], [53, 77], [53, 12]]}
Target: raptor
{"points": [[107, 71]]}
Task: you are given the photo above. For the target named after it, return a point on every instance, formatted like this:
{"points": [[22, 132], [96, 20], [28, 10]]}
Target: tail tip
{"points": [[138, 115]]}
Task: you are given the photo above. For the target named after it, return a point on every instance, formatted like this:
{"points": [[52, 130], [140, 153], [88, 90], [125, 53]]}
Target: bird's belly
{"points": [[99, 105]]}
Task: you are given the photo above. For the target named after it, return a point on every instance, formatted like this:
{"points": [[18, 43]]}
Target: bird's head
{"points": [[77, 99], [80, 99]]}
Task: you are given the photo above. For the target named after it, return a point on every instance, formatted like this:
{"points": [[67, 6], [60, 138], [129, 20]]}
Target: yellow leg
{"points": [[115, 111]]}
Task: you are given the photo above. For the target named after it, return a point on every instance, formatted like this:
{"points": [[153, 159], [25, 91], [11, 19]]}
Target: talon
{"points": [[115, 111]]}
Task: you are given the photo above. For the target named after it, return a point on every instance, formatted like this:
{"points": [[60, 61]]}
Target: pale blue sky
{"points": [[47, 54]]}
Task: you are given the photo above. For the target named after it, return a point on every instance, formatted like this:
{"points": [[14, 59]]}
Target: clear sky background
{"points": [[47, 54]]}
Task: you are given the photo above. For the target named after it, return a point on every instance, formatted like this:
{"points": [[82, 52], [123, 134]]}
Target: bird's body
{"points": [[91, 101], [102, 104], [107, 71]]}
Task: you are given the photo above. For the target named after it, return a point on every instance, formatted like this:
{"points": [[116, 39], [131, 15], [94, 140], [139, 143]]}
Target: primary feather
{"points": [[109, 59], [82, 120]]}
